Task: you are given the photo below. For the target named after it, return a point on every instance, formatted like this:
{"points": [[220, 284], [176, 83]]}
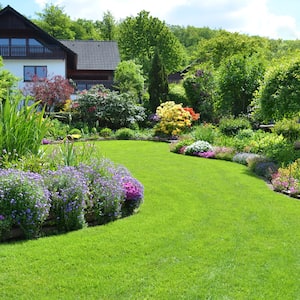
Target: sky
{"points": [[276, 19]]}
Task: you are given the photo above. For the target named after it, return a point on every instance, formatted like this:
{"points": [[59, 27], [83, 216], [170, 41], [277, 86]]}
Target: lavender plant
{"points": [[69, 192], [24, 202]]}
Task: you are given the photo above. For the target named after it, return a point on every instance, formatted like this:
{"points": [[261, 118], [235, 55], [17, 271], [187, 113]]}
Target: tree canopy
{"points": [[139, 37]]}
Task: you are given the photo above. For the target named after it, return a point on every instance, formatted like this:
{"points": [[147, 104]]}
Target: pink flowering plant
{"points": [[288, 179]]}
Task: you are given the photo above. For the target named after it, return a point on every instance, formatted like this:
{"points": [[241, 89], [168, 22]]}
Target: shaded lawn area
{"points": [[208, 229]]}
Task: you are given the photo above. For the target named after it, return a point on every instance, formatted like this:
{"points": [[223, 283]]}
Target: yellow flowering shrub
{"points": [[173, 119]]}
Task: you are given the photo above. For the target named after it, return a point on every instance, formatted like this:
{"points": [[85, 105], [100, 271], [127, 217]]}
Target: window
{"points": [[18, 47], [4, 47], [22, 47], [31, 71]]}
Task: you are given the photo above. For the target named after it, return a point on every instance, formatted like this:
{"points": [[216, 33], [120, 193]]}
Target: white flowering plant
{"points": [[198, 147]]}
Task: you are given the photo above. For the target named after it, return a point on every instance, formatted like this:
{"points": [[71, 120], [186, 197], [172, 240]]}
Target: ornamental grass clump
{"points": [[22, 128], [24, 202], [197, 148], [69, 192]]}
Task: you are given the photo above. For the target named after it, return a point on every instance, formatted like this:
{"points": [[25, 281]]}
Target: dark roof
{"points": [[10, 19], [94, 55]]}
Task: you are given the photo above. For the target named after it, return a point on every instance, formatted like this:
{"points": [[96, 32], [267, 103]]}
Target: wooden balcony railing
{"points": [[31, 51]]}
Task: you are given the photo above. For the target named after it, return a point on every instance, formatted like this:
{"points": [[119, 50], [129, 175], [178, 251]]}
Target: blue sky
{"points": [[269, 18]]}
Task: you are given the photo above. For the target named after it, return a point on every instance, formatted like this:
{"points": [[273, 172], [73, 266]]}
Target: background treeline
{"points": [[222, 73]]}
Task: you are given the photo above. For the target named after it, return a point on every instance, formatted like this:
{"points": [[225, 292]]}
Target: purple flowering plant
{"points": [[69, 193], [24, 202]]}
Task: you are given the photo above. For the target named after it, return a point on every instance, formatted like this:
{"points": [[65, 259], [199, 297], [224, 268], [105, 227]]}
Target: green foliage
{"points": [[205, 132], [231, 126], [179, 146], [262, 166], [279, 93], [139, 37], [224, 153], [200, 88], [105, 132], [85, 30], [238, 78], [56, 130], [190, 36], [22, 128], [128, 77], [158, 83], [225, 44], [124, 134], [109, 108], [55, 22], [289, 128], [7, 81], [107, 27], [177, 94], [273, 146]]}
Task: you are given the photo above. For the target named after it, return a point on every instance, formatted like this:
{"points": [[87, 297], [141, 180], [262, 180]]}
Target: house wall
{"points": [[16, 67]]}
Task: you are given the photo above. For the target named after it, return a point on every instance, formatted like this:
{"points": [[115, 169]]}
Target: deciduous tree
{"points": [[140, 36]]}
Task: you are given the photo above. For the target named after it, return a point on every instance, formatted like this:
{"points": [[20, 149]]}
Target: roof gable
{"points": [[12, 22], [95, 55]]}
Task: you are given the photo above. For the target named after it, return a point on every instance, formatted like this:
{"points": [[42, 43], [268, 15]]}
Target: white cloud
{"points": [[256, 19], [246, 16]]}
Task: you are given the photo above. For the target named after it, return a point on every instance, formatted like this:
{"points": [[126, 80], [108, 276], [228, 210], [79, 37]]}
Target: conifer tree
{"points": [[158, 83]]}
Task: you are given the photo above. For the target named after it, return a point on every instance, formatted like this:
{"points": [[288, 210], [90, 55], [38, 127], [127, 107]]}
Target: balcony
{"points": [[31, 52]]}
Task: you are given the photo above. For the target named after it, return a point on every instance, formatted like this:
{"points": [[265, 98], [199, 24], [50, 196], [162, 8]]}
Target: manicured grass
{"points": [[208, 229]]}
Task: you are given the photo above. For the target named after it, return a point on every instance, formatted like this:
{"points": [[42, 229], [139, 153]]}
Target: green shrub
{"points": [[262, 166], [205, 132], [105, 132], [224, 153], [124, 134], [56, 130], [177, 94], [179, 146], [109, 108], [273, 146], [75, 131], [289, 128], [231, 126], [279, 92], [244, 157]]}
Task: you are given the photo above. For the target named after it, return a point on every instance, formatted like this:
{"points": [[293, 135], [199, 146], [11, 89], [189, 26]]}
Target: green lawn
{"points": [[208, 229]]}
